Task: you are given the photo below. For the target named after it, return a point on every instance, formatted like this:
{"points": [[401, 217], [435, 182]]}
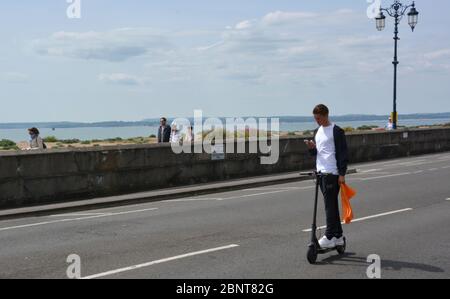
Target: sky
{"points": [[138, 59]]}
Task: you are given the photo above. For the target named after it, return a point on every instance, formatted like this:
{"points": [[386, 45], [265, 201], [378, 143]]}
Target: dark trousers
{"points": [[330, 188]]}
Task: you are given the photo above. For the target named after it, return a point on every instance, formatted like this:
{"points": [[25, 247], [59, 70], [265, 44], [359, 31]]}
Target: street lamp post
{"points": [[397, 11]]}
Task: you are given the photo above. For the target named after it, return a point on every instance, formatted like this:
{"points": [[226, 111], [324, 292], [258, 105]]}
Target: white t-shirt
{"points": [[326, 150], [175, 137]]}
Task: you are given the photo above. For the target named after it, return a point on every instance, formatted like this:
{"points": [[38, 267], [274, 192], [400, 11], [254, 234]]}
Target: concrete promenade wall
{"points": [[59, 175]]}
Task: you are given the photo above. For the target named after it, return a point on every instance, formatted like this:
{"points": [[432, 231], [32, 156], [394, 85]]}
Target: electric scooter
{"points": [[314, 248]]}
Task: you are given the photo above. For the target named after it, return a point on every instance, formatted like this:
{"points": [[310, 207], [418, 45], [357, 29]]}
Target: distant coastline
{"points": [[155, 121]]}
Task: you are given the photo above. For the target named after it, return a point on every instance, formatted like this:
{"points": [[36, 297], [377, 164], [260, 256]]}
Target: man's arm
{"points": [[167, 132], [341, 152], [312, 148]]}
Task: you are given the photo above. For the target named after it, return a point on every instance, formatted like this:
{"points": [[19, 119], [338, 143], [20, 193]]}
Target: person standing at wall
{"points": [[36, 142], [164, 131]]}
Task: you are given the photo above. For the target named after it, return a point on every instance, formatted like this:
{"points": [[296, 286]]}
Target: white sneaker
{"points": [[340, 241], [326, 244]]}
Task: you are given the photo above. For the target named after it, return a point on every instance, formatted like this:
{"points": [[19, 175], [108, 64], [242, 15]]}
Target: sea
{"points": [[18, 135]]}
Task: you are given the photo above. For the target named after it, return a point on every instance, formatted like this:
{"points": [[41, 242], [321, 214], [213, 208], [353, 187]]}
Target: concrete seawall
{"points": [[59, 175]]}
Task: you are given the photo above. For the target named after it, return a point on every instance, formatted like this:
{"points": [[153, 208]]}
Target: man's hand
{"points": [[341, 180], [311, 145]]}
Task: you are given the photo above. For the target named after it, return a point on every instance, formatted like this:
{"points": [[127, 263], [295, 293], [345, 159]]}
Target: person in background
{"points": [[175, 136], [390, 125], [190, 134], [36, 142], [163, 131]]}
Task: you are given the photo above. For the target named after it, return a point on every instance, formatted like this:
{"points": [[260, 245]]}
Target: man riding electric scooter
{"points": [[330, 149]]}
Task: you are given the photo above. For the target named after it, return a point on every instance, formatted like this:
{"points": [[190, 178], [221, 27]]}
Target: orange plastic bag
{"points": [[347, 194]]}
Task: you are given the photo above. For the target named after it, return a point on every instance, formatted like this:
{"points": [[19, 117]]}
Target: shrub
{"points": [[50, 139], [86, 142], [6, 144], [366, 128], [349, 129], [308, 133], [70, 141]]}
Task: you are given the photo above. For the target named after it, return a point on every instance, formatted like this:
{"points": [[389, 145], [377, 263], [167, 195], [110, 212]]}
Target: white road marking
{"points": [[448, 199], [432, 169], [135, 267], [367, 218], [279, 189], [417, 172], [78, 215], [382, 163], [263, 193], [192, 199], [384, 176], [412, 163], [75, 219], [446, 167], [369, 170], [402, 162]]}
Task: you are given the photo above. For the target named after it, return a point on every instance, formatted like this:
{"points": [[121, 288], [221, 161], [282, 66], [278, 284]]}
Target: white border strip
{"points": [[135, 267], [367, 218]]}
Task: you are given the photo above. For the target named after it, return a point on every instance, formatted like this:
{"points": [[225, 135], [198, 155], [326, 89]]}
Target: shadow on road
{"points": [[350, 259]]}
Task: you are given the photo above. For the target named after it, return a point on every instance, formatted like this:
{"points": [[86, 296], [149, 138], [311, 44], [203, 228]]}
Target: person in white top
{"points": [[175, 136], [36, 142], [389, 125], [330, 148], [326, 159], [189, 137]]}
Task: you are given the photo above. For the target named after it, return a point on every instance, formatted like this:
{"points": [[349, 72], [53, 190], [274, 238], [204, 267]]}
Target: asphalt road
{"points": [[402, 214]]}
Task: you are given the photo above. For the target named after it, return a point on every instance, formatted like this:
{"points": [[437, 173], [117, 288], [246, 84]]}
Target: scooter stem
{"points": [[314, 225]]}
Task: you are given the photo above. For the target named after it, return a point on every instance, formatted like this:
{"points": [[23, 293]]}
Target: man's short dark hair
{"points": [[164, 119], [321, 110]]}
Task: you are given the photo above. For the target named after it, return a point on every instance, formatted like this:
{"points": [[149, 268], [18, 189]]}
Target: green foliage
{"points": [[70, 141], [366, 128], [49, 139], [6, 144], [308, 133], [117, 139]]}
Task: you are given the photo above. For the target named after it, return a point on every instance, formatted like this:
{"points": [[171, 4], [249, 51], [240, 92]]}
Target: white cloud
{"points": [[14, 77], [442, 53], [366, 41], [281, 17], [116, 45], [121, 79], [253, 50], [244, 25]]}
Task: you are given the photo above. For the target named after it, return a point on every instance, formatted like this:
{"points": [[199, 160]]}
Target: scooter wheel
{"points": [[341, 249], [312, 255]]}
